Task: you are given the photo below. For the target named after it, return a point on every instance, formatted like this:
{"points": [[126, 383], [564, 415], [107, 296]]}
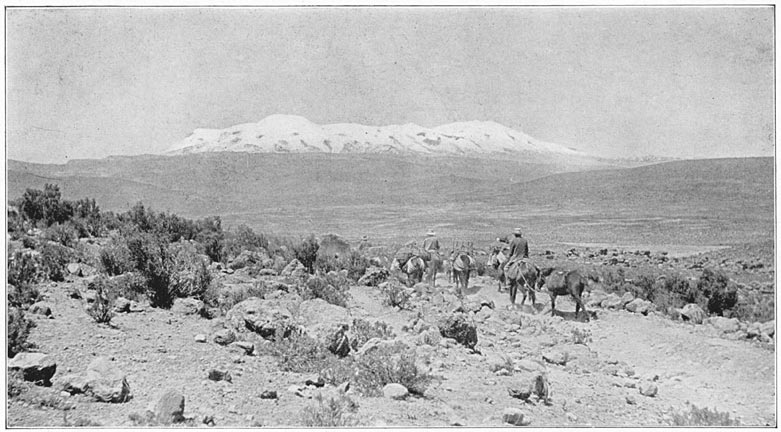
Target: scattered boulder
{"points": [[41, 308], [612, 301], [187, 306], [631, 400], [556, 356], [328, 324], [269, 394], [395, 391], [293, 268], [200, 338], [35, 367], [639, 306], [596, 298], [247, 348], [768, 328], [531, 384], [458, 326], [529, 365], [81, 269], [263, 317], [169, 408], [105, 382], [648, 389], [692, 313], [724, 325], [432, 336], [626, 298], [514, 416], [121, 305], [247, 258], [220, 375], [267, 271], [73, 268], [224, 337], [374, 276]]}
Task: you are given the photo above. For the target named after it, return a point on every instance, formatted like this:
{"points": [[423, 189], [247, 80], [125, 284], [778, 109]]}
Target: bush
{"points": [[54, 259], [102, 309], [581, 337], [16, 383], [190, 276], [131, 286], [152, 259], [299, 352], [306, 252], [236, 295], [332, 288], [24, 268], [395, 295], [702, 417], [362, 330], [753, 306], [355, 264], [332, 411], [23, 295], [64, 234], [115, 258], [18, 331], [387, 365], [243, 239], [45, 206], [716, 287]]}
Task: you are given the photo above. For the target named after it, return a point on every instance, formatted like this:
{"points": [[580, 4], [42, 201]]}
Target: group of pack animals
{"points": [[523, 275]]}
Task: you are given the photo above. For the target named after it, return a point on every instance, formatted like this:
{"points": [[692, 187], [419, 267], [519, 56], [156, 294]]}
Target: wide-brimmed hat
{"points": [[517, 231], [365, 238], [431, 233]]}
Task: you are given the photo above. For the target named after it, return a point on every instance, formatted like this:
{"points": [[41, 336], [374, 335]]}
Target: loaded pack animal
{"points": [[409, 261], [462, 264], [560, 282], [497, 258], [525, 275]]}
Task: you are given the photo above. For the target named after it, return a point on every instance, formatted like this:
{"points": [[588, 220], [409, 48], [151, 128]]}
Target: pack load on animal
{"points": [[406, 252]]}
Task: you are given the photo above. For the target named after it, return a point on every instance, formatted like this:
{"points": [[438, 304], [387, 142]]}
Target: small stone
{"points": [[648, 389], [224, 337], [200, 338], [395, 391], [514, 416], [314, 380], [218, 375], [40, 308], [631, 400], [247, 347], [121, 305], [557, 357], [572, 417], [268, 394]]}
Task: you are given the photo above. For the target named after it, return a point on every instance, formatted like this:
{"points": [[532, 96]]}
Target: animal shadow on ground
{"points": [[582, 317]]}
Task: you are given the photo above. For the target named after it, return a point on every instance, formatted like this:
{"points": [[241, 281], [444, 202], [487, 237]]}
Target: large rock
{"points": [[768, 328], [293, 268], [639, 306], [328, 324], [596, 298], [458, 327], [556, 356], [374, 276], [626, 298], [103, 381], [187, 306], [693, 313], [121, 305], [224, 337], [81, 270], [526, 385], [41, 308], [612, 301], [725, 325], [35, 367], [514, 416], [395, 391], [263, 317], [648, 389], [169, 408]]}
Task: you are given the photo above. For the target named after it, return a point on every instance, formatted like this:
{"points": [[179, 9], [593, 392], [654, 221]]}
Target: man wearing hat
{"points": [[364, 243], [519, 248], [431, 243]]}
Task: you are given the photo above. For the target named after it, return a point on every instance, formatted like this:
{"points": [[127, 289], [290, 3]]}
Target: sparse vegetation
{"points": [[395, 295], [331, 287], [102, 309], [695, 416], [362, 330], [306, 252], [581, 336], [330, 411], [18, 331]]}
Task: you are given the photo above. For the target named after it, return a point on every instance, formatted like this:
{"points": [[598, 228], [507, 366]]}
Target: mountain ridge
{"points": [[281, 133]]}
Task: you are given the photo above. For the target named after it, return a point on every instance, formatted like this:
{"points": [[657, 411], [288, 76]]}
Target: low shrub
{"points": [[716, 287], [54, 260], [131, 286], [387, 365], [754, 306], [102, 309], [362, 330], [395, 295], [581, 337], [190, 276], [299, 352], [16, 384], [330, 411], [18, 331], [695, 416], [64, 234], [24, 268], [306, 252], [235, 295], [154, 261], [331, 287], [23, 295], [115, 258], [355, 264]]}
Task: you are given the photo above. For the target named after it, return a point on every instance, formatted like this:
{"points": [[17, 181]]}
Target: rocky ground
{"points": [[619, 369]]}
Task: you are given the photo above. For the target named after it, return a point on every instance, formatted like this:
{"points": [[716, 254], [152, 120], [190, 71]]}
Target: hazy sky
{"points": [[684, 82]]}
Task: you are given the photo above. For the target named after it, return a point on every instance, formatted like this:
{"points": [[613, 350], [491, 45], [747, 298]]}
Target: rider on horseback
{"points": [[519, 249], [433, 260]]}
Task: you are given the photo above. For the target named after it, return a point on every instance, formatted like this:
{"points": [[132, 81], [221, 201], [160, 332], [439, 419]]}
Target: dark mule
{"points": [[525, 277], [562, 283], [462, 265]]}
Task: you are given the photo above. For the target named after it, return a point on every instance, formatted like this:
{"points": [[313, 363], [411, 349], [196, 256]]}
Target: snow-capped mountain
{"points": [[294, 134]]}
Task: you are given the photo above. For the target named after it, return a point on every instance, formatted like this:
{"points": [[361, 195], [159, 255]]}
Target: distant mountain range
{"points": [[294, 134]]}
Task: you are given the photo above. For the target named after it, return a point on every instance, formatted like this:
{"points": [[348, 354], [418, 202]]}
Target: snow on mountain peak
{"points": [[280, 133]]}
